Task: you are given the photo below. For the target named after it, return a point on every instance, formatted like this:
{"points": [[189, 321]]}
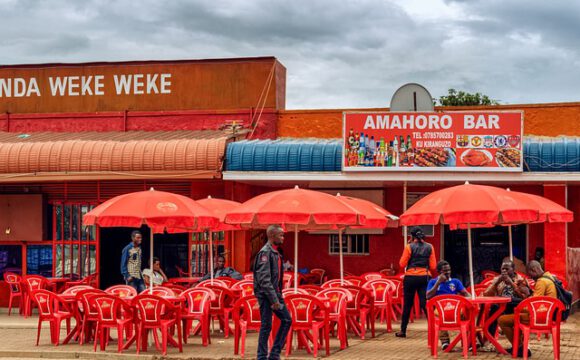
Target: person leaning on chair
{"points": [[268, 278], [418, 258]]}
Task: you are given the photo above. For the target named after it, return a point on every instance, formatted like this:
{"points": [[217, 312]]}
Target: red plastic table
{"points": [[57, 283], [487, 318], [185, 281]]}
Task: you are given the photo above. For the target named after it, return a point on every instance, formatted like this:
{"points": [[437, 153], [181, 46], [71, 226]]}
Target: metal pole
{"points": [[404, 209], [511, 243], [470, 261], [151, 260], [211, 257], [340, 255], [296, 258]]}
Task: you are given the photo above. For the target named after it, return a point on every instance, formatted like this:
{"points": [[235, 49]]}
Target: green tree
{"points": [[462, 98]]}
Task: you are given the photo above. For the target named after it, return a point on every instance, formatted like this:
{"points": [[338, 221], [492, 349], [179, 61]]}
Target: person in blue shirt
{"points": [[444, 284]]}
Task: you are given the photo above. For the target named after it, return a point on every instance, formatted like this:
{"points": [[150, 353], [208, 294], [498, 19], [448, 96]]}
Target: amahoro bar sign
{"points": [[433, 141]]}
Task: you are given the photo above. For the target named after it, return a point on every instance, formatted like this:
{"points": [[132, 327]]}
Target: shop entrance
{"points": [[171, 249], [490, 246]]}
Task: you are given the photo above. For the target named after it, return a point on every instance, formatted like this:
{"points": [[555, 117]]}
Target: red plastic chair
{"points": [[155, 312], [113, 313], [29, 284], [248, 276], [177, 289], [159, 291], [451, 312], [291, 291], [309, 314], [122, 291], [227, 280], [13, 281], [372, 276], [243, 288], [489, 274], [397, 297], [545, 317], [382, 291], [486, 281], [222, 306], [246, 316], [76, 289], [355, 280], [181, 272], [53, 309], [312, 289], [288, 281], [320, 273], [359, 310], [197, 304], [215, 282], [337, 299], [335, 283], [88, 313], [87, 280]]}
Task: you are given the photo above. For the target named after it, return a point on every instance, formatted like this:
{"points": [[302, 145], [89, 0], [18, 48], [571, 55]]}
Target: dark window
{"points": [[39, 260], [10, 259], [352, 244]]}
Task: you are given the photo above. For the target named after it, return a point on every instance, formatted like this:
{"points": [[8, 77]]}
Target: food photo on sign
{"points": [[452, 141]]}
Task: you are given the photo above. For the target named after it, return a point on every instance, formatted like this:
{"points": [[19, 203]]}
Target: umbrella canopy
{"points": [[159, 210], [549, 210], [219, 208], [471, 204]]}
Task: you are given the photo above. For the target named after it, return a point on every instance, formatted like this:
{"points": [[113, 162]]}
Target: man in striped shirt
{"points": [[131, 262]]}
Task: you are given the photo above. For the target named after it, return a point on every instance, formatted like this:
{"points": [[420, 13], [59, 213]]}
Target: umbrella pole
{"points": [[211, 256], [340, 256], [511, 243], [295, 258], [470, 261], [151, 259]]}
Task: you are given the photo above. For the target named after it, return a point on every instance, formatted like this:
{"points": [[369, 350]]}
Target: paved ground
{"points": [[17, 341]]}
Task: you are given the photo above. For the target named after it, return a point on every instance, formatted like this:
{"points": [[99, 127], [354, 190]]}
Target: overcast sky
{"points": [[338, 53]]}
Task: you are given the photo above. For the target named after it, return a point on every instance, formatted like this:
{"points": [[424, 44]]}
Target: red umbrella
{"points": [[157, 209], [219, 208], [471, 204], [372, 215], [305, 209]]}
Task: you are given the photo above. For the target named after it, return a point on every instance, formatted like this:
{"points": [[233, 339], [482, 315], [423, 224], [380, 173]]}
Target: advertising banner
{"points": [[438, 141]]}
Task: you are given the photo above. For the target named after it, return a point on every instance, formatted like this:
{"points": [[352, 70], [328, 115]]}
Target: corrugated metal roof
{"points": [[112, 152], [560, 154], [284, 155]]}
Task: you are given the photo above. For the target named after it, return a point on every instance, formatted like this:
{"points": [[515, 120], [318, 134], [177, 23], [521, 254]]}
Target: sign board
{"points": [[140, 86], [433, 141]]}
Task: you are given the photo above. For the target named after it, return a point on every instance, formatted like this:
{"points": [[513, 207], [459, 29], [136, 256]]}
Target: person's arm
{"points": [[236, 275], [146, 279], [492, 288], [432, 261], [124, 258], [264, 278], [523, 289], [405, 257], [432, 287], [461, 289], [464, 293]]}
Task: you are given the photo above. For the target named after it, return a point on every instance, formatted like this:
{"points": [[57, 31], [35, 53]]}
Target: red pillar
{"points": [[555, 236]]}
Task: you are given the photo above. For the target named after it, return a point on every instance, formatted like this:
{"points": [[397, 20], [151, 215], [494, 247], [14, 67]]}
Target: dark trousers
{"points": [[413, 285], [266, 328], [137, 284]]}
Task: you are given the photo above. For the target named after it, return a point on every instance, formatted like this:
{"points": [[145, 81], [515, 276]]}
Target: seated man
{"points": [[445, 285], [221, 271], [544, 287]]}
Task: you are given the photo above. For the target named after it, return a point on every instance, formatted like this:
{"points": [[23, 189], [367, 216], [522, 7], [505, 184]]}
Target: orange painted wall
{"points": [[539, 119]]}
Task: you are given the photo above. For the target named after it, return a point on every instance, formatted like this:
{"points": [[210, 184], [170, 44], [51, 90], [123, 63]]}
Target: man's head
{"points": [[508, 268], [275, 235], [443, 267], [220, 262], [417, 233], [535, 269], [539, 253], [156, 263], [136, 237]]}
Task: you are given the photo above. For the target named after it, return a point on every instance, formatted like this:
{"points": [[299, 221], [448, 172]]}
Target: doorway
{"points": [[490, 246], [171, 249]]}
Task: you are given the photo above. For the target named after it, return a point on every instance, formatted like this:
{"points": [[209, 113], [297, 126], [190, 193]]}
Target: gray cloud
{"points": [[338, 53]]}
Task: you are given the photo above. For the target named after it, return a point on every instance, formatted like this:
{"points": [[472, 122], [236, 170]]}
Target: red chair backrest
{"points": [[122, 291], [288, 280], [198, 300], [372, 276], [13, 280], [223, 297], [34, 282], [178, 289], [360, 297], [246, 287], [303, 308], [84, 298], [289, 291], [228, 281], [152, 308], [450, 309], [380, 289], [486, 281], [75, 289], [110, 307], [248, 276], [335, 283], [159, 291], [488, 274], [397, 295], [354, 280], [319, 273], [46, 301], [544, 312], [337, 299], [312, 289], [248, 309], [215, 282]]}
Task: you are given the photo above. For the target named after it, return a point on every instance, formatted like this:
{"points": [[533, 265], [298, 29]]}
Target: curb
{"points": [[73, 355]]}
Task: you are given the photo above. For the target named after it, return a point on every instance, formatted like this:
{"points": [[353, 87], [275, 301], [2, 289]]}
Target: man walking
{"points": [[268, 276], [131, 263]]}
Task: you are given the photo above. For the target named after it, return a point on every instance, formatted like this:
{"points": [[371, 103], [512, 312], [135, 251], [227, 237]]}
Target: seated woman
{"points": [[156, 274]]}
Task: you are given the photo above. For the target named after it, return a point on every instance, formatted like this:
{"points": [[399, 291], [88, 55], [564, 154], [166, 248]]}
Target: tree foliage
{"points": [[462, 98]]}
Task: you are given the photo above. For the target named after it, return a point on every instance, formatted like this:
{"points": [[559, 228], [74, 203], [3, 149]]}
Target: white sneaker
{"points": [[488, 347]]}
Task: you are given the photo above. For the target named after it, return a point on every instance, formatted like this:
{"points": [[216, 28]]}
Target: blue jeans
{"points": [[266, 328], [137, 284]]}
